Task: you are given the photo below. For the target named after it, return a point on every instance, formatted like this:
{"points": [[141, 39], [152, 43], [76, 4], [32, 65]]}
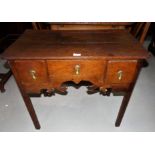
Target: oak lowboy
{"points": [[43, 61]]}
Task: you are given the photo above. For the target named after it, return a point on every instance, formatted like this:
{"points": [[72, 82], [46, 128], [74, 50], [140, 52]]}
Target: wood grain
{"points": [[64, 70], [45, 44], [127, 67], [24, 67]]}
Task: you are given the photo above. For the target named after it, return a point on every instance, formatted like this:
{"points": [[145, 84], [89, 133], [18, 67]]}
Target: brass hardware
{"points": [[103, 89], [120, 74], [77, 69], [33, 72]]}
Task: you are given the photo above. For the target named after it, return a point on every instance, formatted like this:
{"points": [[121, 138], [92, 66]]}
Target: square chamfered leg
{"points": [[26, 98], [127, 96], [124, 105], [30, 109]]}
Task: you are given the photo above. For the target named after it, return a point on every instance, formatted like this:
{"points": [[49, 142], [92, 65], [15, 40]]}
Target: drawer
{"points": [[76, 70], [121, 71], [31, 71]]}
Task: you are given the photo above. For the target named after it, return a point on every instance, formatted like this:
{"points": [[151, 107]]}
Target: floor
{"points": [[79, 111]]}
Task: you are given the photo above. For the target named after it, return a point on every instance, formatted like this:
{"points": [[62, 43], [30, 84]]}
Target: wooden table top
{"points": [[46, 44]]}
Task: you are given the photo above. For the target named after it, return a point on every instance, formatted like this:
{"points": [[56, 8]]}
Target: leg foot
{"points": [[31, 110], [123, 107]]}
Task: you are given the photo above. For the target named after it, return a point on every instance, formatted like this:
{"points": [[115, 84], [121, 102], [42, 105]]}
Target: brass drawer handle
{"points": [[120, 74], [77, 69], [33, 72]]}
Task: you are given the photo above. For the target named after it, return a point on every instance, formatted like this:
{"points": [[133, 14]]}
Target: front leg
{"points": [[127, 96], [26, 98], [123, 107], [30, 109]]}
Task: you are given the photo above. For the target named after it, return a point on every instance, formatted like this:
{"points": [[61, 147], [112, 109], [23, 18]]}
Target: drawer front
{"points": [[121, 71], [31, 72], [76, 70]]}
